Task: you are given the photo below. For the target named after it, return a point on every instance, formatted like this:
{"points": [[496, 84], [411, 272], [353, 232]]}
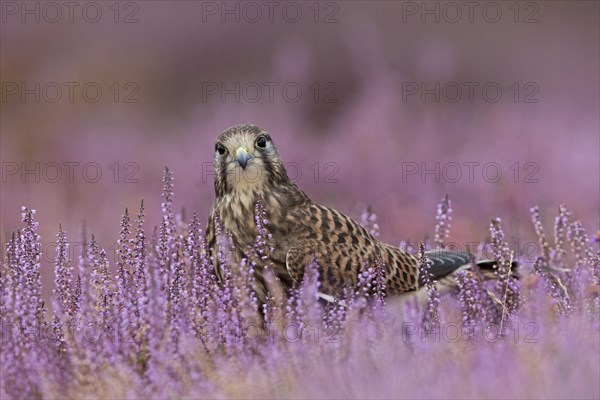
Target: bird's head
{"points": [[246, 160]]}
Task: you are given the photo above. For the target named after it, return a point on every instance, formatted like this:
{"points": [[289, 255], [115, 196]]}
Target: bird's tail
{"points": [[445, 264]]}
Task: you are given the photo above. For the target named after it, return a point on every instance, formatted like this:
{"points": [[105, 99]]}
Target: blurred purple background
{"points": [[360, 121]]}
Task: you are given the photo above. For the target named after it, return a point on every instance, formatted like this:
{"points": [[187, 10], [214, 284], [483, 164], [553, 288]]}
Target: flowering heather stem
{"points": [[63, 276], [260, 247], [141, 278], [580, 244], [76, 299], [380, 287], [124, 256], [539, 230], [443, 218], [164, 256], [302, 306], [167, 204], [596, 269], [101, 285], [471, 297], [506, 286], [366, 289], [124, 270], [200, 283], [174, 300], [561, 225], [165, 250], [504, 298], [431, 316], [6, 290], [30, 258], [554, 287]]}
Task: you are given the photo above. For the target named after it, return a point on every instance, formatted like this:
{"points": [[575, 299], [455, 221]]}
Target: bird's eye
{"points": [[221, 149], [261, 142]]}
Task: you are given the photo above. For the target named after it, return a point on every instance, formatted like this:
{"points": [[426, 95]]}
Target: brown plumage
{"points": [[248, 168]]}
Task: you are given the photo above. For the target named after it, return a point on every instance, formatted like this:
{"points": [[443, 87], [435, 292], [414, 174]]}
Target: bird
{"points": [[249, 169]]}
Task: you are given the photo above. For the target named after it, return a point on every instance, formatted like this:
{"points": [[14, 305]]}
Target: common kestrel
{"points": [[248, 168]]}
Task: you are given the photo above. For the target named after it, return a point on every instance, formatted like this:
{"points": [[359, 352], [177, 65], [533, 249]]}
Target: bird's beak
{"points": [[242, 157]]}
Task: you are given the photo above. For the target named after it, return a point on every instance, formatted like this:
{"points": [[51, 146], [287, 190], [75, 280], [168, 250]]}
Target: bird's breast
{"points": [[236, 215]]}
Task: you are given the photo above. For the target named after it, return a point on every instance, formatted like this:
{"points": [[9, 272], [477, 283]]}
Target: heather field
{"points": [[379, 109], [163, 326]]}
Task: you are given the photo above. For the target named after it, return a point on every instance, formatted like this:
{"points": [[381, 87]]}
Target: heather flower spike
{"points": [[431, 316], [506, 287], [443, 218]]}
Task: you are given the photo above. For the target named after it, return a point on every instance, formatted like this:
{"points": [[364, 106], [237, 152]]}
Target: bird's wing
{"points": [[342, 247], [338, 263]]}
